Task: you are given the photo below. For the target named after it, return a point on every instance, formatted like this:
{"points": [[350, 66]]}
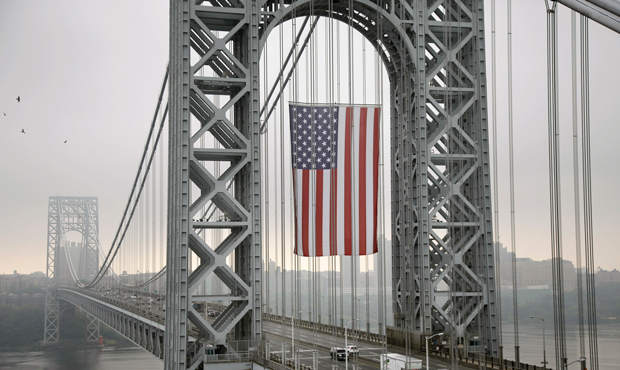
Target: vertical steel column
{"points": [[448, 200], [66, 214], [175, 337], [214, 52], [92, 328], [52, 317], [422, 243], [52, 307]]}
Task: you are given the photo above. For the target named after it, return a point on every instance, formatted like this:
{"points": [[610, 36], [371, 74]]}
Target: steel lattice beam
{"points": [[442, 246], [65, 214], [221, 40], [143, 331]]}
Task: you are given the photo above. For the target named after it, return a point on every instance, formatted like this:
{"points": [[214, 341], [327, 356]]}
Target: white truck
{"points": [[396, 361]]}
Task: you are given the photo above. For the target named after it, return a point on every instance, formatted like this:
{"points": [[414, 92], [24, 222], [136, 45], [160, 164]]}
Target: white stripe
{"points": [[310, 214], [355, 176], [326, 205], [298, 200], [369, 180], [342, 120]]}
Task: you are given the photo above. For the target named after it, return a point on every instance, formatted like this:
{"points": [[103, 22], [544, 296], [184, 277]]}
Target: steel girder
{"points": [[220, 39], [144, 332], [441, 210], [92, 328], [443, 267], [604, 12], [53, 310], [434, 54], [66, 214]]}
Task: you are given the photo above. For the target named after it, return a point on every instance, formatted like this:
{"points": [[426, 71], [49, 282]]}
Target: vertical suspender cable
{"points": [[267, 189], [350, 75], [161, 213], [294, 259], [382, 265], [282, 248], [587, 195], [498, 277], [554, 185], [582, 351], [513, 240], [330, 92], [154, 268], [147, 228], [341, 259]]}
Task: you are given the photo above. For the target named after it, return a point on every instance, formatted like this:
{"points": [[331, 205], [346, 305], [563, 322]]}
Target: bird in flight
{"points": [[65, 141], [4, 114], [23, 132], [18, 99]]}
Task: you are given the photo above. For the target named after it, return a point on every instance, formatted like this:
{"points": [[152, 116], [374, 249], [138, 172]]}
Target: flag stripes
{"points": [[335, 156]]}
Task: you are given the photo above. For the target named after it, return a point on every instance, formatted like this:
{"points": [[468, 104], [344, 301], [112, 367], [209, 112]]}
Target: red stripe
{"points": [[348, 240], [375, 178], [305, 205], [333, 250], [318, 241], [362, 182]]}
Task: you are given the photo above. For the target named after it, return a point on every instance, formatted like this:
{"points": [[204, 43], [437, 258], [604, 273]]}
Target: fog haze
{"points": [[89, 73]]}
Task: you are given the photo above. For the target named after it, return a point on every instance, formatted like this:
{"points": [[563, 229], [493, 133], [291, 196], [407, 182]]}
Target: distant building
{"points": [[17, 282], [606, 277], [534, 274]]}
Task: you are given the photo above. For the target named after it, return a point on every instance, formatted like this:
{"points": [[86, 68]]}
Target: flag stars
{"points": [[313, 138]]}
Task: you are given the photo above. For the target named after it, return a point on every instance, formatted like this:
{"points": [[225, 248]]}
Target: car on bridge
{"points": [[353, 350], [338, 353]]}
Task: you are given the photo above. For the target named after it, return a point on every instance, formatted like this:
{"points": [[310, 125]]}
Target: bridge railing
{"points": [[487, 362], [360, 335]]}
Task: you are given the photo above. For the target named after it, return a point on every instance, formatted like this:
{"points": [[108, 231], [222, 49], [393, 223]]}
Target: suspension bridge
{"points": [[211, 276]]}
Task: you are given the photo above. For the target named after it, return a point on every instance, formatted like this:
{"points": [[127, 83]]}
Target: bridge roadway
{"points": [[368, 358], [143, 327], [143, 324]]}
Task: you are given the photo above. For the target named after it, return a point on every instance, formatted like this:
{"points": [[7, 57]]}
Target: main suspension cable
{"points": [[587, 195]]}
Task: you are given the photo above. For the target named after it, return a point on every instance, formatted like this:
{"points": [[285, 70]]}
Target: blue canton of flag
{"points": [[314, 137]]}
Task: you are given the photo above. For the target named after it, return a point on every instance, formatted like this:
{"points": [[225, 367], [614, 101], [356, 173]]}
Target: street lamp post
{"points": [[583, 359], [427, 338], [544, 347], [346, 347], [293, 337]]}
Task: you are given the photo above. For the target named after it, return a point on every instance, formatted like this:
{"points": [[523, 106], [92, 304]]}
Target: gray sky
{"points": [[89, 73]]}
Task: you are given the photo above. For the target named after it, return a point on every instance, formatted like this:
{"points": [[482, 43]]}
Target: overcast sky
{"points": [[89, 73]]}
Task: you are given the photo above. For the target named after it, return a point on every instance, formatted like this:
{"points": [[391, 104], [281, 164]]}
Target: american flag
{"points": [[335, 159]]}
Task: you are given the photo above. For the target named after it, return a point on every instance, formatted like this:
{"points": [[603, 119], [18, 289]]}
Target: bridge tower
{"points": [[66, 214], [434, 52]]}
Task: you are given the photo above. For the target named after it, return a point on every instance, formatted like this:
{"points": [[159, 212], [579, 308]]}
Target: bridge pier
{"points": [[92, 328], [53, 310]]}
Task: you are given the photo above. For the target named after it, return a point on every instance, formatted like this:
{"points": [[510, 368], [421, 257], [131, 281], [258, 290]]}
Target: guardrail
{"points": [[488, 362], [359, 335]]}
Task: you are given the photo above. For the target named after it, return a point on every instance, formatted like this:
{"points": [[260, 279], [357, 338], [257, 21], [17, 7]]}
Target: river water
{"points": [[530, 341], [531, 344], [83, 359]]}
